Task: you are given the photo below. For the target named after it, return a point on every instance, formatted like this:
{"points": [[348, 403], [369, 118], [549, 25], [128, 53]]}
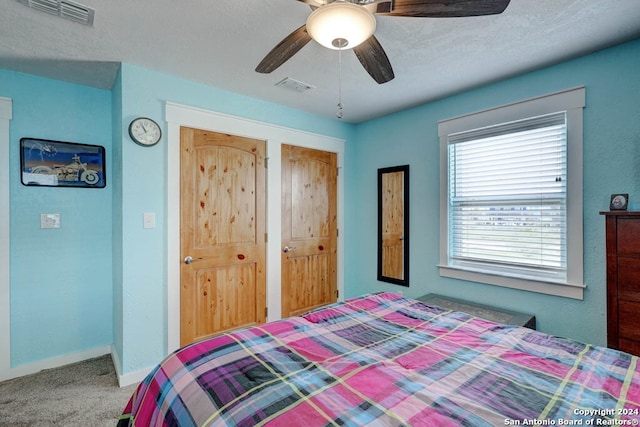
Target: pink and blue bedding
{"points": [[385, 360]]}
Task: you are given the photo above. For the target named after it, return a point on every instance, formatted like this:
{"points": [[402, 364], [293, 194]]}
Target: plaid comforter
{"points": [[385, 360]]}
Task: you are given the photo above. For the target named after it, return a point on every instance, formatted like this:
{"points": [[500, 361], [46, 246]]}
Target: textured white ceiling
{"points": [[220, 42]]}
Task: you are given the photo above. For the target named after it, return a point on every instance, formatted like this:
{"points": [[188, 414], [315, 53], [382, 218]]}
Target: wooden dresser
{"points": [[623, 280]]}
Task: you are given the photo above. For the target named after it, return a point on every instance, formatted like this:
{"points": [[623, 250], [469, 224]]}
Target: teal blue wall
{"points": [[101, 278], [141, 289], [61, 283], [611, 164]]}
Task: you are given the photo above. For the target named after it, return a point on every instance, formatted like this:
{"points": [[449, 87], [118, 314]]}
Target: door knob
{"points": [[188, 259], [287, 249]]}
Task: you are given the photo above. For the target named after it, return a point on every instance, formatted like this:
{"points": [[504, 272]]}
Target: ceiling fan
{"points": [[350, 24]]}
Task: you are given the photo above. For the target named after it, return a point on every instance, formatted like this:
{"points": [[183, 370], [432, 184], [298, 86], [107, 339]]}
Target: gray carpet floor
{"points": [[81, 394]]}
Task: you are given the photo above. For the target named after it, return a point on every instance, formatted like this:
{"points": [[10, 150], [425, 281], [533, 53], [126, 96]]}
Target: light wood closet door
{"points": [[223, 281], [309, 229]]}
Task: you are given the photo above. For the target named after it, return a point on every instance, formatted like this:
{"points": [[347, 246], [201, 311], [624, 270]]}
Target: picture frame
{"points": [[619, 202], [49, 163]]}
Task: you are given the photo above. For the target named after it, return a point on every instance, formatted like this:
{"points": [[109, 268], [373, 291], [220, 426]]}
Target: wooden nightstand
{"points": [[485, 311]]}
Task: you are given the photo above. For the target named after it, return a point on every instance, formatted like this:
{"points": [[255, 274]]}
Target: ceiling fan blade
{"points": [[284, 50], [314, 3], [441, 8], [374, 59]]}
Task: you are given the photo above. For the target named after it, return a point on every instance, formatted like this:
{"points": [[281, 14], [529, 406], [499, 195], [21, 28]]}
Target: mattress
{"points": [[385, 360]]}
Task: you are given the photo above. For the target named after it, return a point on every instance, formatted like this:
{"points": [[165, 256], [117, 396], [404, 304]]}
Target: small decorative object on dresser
{"points": [[619, 202], [623, 280]]}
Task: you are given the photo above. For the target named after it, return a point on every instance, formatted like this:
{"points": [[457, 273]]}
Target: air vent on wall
{"points": [[63, 8]]}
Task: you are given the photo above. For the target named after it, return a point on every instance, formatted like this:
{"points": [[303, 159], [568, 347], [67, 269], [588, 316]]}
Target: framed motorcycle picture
{"points": [[61, 164]]}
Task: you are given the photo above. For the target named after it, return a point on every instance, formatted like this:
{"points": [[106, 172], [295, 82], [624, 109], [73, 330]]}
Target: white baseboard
{"points": [[55, 362], [130, 378]]}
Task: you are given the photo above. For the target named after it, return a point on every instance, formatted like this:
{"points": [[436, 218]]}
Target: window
{"points": [[511, 195]]}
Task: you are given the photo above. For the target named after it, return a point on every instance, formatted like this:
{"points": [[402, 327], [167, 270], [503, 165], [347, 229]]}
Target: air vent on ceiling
{"points": [[63, 8], [295, 85]]}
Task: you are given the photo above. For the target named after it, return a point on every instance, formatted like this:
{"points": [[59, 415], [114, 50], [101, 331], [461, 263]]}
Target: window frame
{"points": [[573, 102]]}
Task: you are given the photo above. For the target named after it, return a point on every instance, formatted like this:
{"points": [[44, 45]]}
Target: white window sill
{"points": [[561, 290]]}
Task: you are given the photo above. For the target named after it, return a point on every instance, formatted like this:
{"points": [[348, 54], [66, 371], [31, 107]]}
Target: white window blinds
{"points": [[507, 198]]}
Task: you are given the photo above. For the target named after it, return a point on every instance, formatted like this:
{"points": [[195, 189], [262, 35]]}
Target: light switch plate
{"points": [[50, 220], [149, 220]]}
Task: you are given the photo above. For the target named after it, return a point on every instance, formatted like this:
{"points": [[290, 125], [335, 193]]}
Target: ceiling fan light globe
{"points": [[341, 20]]}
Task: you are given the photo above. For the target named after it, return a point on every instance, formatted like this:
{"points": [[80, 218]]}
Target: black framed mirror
{"points": [[393, 225]]}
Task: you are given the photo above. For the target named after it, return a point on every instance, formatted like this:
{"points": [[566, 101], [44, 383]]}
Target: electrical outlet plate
{"points": [[50, 220]]}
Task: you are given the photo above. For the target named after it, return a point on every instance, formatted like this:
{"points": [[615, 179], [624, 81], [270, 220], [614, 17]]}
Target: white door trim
{"points": [[178, 115], [5, 282]]}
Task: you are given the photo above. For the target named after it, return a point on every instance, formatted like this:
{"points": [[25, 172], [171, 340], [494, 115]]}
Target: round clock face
{"points": [[618, 202], [145, 131]]}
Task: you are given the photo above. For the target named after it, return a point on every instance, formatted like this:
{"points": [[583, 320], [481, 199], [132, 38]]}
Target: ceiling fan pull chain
{"points": [[340, 113]]}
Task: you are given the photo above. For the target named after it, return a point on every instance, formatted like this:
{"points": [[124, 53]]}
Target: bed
{"points": [[385, 360]]}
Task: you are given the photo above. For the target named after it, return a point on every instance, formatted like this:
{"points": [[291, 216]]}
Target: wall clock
{"points": [[145, 131], [619, 202]]}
